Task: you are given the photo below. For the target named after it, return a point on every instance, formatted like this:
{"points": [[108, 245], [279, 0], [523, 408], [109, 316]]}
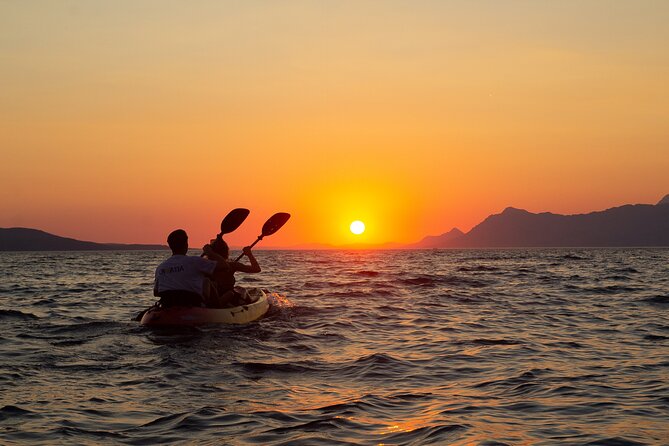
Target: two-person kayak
{"points": [[256, 308], [179, 273]]}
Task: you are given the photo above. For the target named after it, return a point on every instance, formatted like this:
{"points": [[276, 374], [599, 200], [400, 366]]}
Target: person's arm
{"points": [[254, 267]]}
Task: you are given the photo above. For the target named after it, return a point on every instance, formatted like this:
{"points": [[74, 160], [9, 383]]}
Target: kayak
{"points": [[158, 316]]}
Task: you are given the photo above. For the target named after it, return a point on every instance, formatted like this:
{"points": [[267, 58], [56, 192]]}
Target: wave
{"points": [[434, 281], [16, 314], [614, 441], [363, 420], [657, 299], [565, 344], [378, 359], [10, 412], [91, 327], [367, 273], [420, 281], [627, 270], [611, 289], [375, 366], [320, 425], [427, 435], [278, 367], [651, 337], [484, 342], [478, 268], [177, 427], [511, 381], [379, 404], [573, 257]]}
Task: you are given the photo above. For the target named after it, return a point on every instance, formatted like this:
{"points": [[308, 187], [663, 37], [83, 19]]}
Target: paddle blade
{"points": [[233, 220], [274, 223]]}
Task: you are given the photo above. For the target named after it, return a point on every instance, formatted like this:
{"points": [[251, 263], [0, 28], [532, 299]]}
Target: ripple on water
{"points": [[15, 314], [657, 299]]}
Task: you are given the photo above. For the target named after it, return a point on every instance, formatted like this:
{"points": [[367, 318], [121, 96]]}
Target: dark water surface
{"points": [[478, 347]]}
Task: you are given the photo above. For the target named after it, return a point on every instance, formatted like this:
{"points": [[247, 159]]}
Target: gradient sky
{"points": [[122, 120]]}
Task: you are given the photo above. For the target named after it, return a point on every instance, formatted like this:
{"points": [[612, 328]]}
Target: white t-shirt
{"points": [[181, 272]]}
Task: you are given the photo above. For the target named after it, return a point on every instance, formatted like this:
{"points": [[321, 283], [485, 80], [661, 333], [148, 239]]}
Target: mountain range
{"points": [[26, 239], [628, 225]]}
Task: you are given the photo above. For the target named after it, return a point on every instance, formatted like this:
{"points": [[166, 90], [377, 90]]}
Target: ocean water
{"points": [[471, 347]]}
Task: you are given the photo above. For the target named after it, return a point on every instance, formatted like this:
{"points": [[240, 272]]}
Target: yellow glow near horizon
{"points": [[357, 227]]}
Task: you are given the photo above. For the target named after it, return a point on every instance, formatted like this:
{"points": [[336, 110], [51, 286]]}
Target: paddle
{"points": [[273, 224], [233, 220]]}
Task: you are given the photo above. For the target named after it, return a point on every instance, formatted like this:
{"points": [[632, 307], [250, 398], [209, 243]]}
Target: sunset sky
{"points": [[123, 120]]}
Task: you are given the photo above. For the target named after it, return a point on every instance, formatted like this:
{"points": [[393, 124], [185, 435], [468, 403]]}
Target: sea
{"points": [[425, 347]]}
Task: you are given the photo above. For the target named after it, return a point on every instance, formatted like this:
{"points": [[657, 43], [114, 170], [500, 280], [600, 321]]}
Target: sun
{"points": [[357, 227]]}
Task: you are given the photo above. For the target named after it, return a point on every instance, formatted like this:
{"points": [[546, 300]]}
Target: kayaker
{"points": [[184, 280], [224, 279]]}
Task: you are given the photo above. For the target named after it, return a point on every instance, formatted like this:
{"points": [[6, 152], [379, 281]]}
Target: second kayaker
{"points": [[224, 278]]}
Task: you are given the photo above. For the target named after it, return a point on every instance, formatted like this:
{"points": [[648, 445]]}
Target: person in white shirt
{"points": [[184, 280]]}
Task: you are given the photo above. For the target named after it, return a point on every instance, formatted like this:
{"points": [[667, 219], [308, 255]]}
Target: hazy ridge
{"points": [[628, 225], [26, 239]]}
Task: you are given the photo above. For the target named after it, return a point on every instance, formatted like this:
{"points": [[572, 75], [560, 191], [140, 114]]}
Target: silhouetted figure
{"points": [[184, 280], [224, 279]]}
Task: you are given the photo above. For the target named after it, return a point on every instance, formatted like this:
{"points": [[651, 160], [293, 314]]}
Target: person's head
{"points": [[178, 241], [220, 247]]}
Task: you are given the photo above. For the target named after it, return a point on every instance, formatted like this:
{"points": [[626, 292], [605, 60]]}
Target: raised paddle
{"points": [[233, 220], [273, 224]]}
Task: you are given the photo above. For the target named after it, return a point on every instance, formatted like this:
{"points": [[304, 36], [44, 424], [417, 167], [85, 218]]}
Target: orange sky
{"points": [[120, 121]]}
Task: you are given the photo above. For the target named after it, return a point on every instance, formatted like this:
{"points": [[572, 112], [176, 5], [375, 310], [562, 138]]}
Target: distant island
{"points": [[26, 239], [629, 225], [635, 225]]}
